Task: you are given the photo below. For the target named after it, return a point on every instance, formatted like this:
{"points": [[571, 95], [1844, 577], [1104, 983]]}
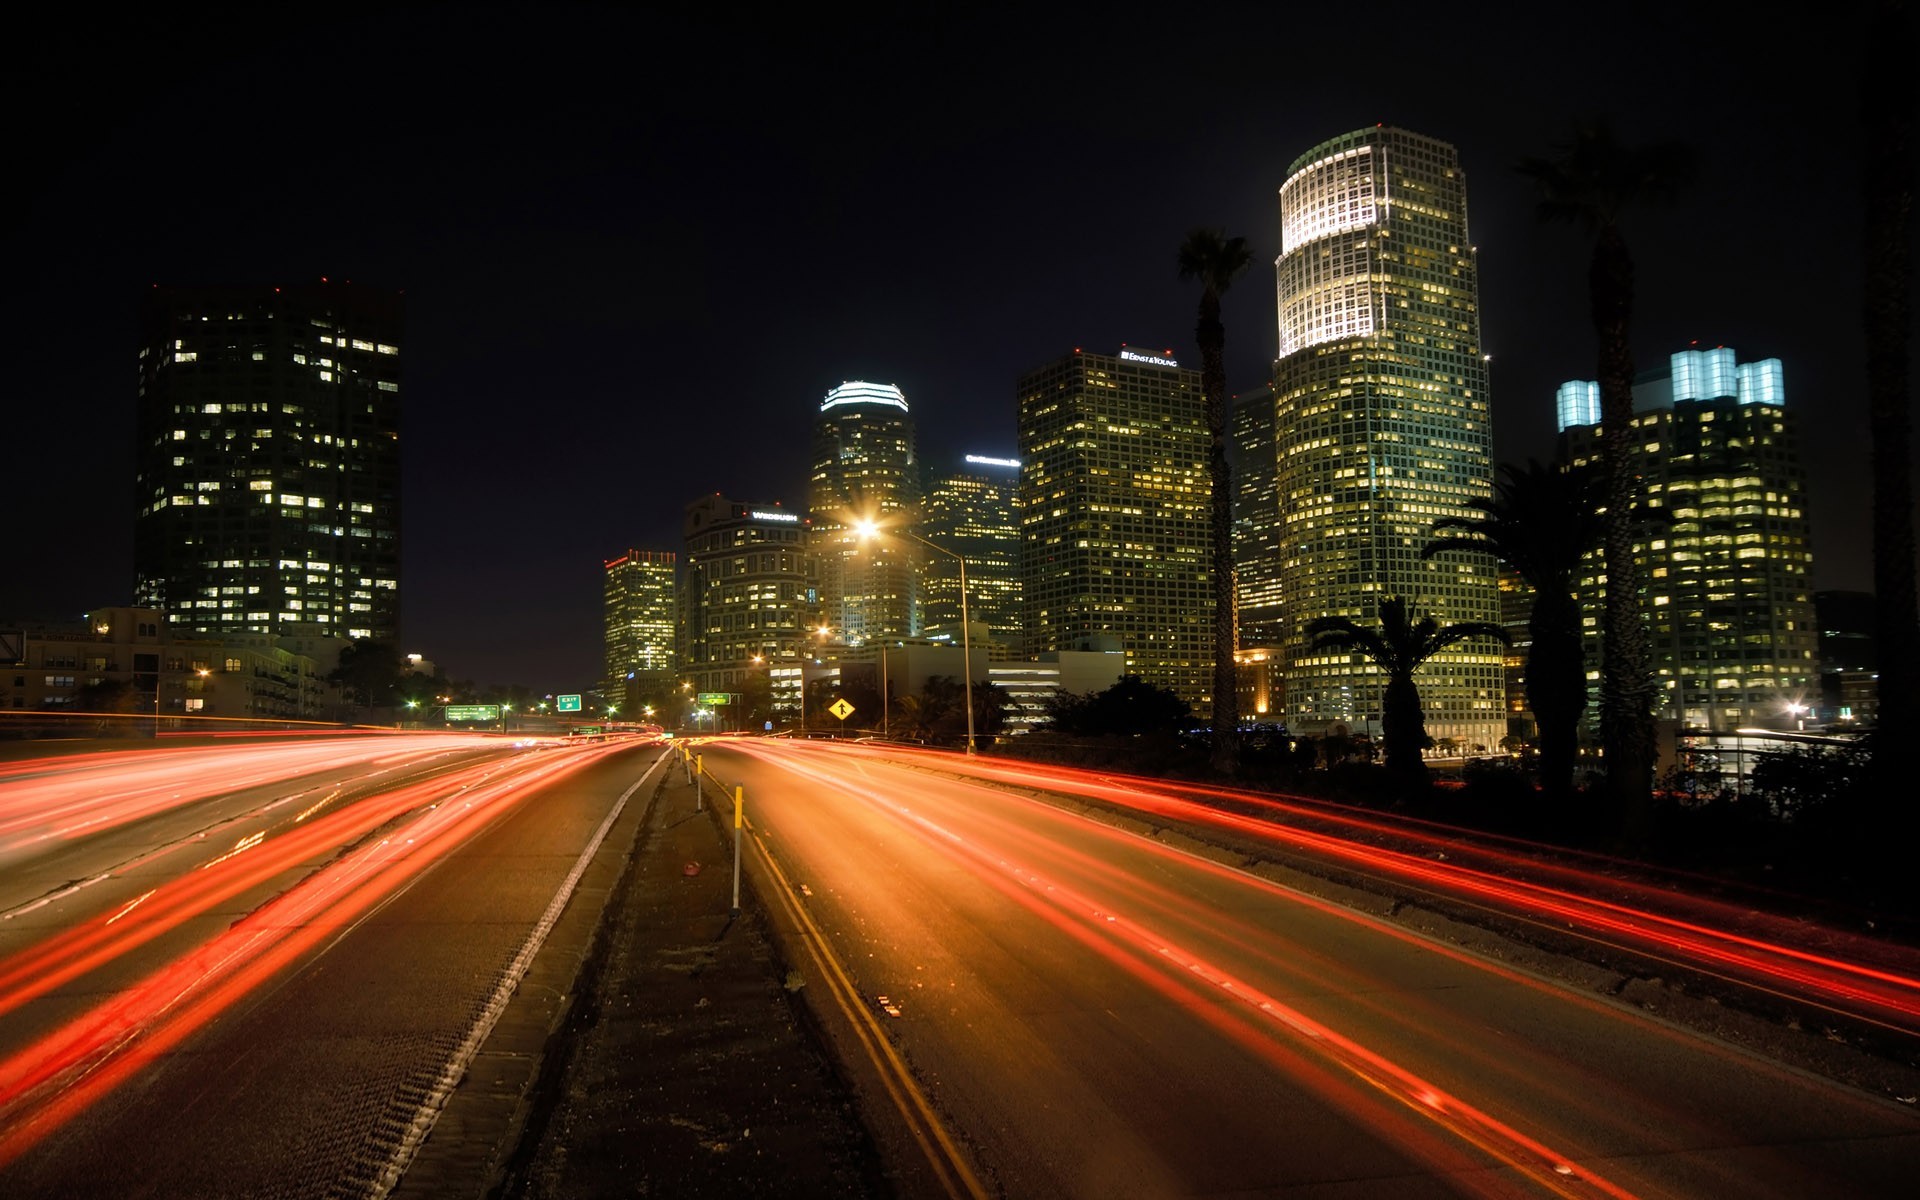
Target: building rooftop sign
{"points": [[1128, 354], [856, 391], [983, 461], [761, 514]]}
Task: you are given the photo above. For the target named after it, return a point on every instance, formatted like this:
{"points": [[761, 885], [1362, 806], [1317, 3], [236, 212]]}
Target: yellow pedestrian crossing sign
{"points": [[841, 709]]}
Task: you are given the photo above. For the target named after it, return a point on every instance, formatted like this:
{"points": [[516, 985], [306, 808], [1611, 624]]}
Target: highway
{"points": [[1037, 1003], [257, 969]]}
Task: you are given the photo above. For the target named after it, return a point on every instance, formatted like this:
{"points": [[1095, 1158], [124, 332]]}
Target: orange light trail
{"points": [[1172, 969], [1881, 986]]}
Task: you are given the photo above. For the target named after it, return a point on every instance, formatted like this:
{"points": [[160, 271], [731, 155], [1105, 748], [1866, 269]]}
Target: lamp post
{"points": [[867, 529], [1798, 712]]}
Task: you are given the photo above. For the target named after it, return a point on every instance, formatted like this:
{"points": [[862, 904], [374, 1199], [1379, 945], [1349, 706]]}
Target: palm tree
{"points": [[1887, 119], [1541, 521], [1215, 259], [1595, 180], [1398, 647]]}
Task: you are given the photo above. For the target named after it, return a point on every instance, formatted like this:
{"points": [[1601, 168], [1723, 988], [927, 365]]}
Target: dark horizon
{"points": [[636, 253]]}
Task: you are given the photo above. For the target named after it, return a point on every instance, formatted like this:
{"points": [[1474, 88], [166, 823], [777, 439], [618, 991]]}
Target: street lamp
{"points": [[867, 529], [1797, 711]]}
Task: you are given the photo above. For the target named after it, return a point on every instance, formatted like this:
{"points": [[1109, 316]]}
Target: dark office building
{"points": [[268, 460]]}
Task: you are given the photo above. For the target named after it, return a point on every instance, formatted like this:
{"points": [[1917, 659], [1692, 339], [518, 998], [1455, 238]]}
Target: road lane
{"points": [[305, 1074], [1096, 1012]]}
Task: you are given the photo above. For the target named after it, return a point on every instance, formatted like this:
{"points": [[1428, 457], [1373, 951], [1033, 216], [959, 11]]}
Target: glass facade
{"points": [[1381, 424], [746, 599], [640, 618], [971, 513], [865, 469], [1726, 568], [1114, 519], [268, 460], [1261, 618]]}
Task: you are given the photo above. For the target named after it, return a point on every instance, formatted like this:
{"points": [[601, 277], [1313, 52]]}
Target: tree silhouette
{"points": [[1594, 180], [1887, 118], [1541, 521], [1215, 259], [1398, 646]]}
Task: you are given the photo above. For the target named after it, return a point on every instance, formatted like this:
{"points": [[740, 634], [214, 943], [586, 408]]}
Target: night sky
{"points": [[637, 251]]}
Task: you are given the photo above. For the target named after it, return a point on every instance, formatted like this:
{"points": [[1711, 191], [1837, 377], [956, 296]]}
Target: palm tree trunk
{"points": [[1212, 338], [1403, 724], [1556, 688], [1626, 686], [1889, 167]]}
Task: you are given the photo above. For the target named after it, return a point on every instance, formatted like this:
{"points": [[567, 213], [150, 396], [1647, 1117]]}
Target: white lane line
{"points": [[428, 1111]]}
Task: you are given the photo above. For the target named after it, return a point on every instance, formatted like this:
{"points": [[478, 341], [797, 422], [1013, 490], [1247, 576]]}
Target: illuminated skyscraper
{"points": [[865, 469], [1727, 582], [1113, 515], [268, 460], [640, 618], [1256, 521], [745, 603], [971, 513], [1381, 423]]}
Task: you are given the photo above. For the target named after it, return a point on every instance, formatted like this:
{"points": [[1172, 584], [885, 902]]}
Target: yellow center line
{"points": [[943, 1154]]}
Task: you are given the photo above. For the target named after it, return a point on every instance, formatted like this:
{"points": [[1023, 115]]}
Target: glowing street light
{"points": [[1797, 711], [867, 530]]}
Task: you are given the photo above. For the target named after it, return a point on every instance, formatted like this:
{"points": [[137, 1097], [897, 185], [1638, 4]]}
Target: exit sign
{"points": [[566, 704]]}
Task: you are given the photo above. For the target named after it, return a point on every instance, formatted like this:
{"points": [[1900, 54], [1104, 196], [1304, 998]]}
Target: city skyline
{"points": [[609, 314]]}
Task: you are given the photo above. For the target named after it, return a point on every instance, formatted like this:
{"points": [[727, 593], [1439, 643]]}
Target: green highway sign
{"points": [[566, 704], [715, 699], [473, 712]]}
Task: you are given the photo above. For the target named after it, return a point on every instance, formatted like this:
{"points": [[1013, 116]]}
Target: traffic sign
{"points": [[566, 704], [715, 699], [841, 709], [473, 712]]}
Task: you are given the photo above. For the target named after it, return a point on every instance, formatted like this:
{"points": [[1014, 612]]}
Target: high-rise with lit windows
{"points": [[268, 460], [1726, 562], [1113, 515], [1381, 424], [970, 513], [640, 617], [865, 470], [746, 601], [1259, 619]]}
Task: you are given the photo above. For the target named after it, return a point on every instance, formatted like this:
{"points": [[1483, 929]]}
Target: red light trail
{"points": [[1880, 986], [391, 838]]}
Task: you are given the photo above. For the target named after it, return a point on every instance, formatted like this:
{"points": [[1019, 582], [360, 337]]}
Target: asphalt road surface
{"points": [[1038, 1004], [254, 971]]}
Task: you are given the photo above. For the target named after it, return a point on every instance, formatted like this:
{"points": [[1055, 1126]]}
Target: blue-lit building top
{"points": [[1714, 374]]}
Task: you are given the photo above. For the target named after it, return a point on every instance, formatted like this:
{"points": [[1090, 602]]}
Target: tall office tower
{"points": [[1727, 583], [640, 619], [268, 460], [745, 600], [1381, 423], [1113, 515], [865, 469], [970, 513], [1256, 521]]}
